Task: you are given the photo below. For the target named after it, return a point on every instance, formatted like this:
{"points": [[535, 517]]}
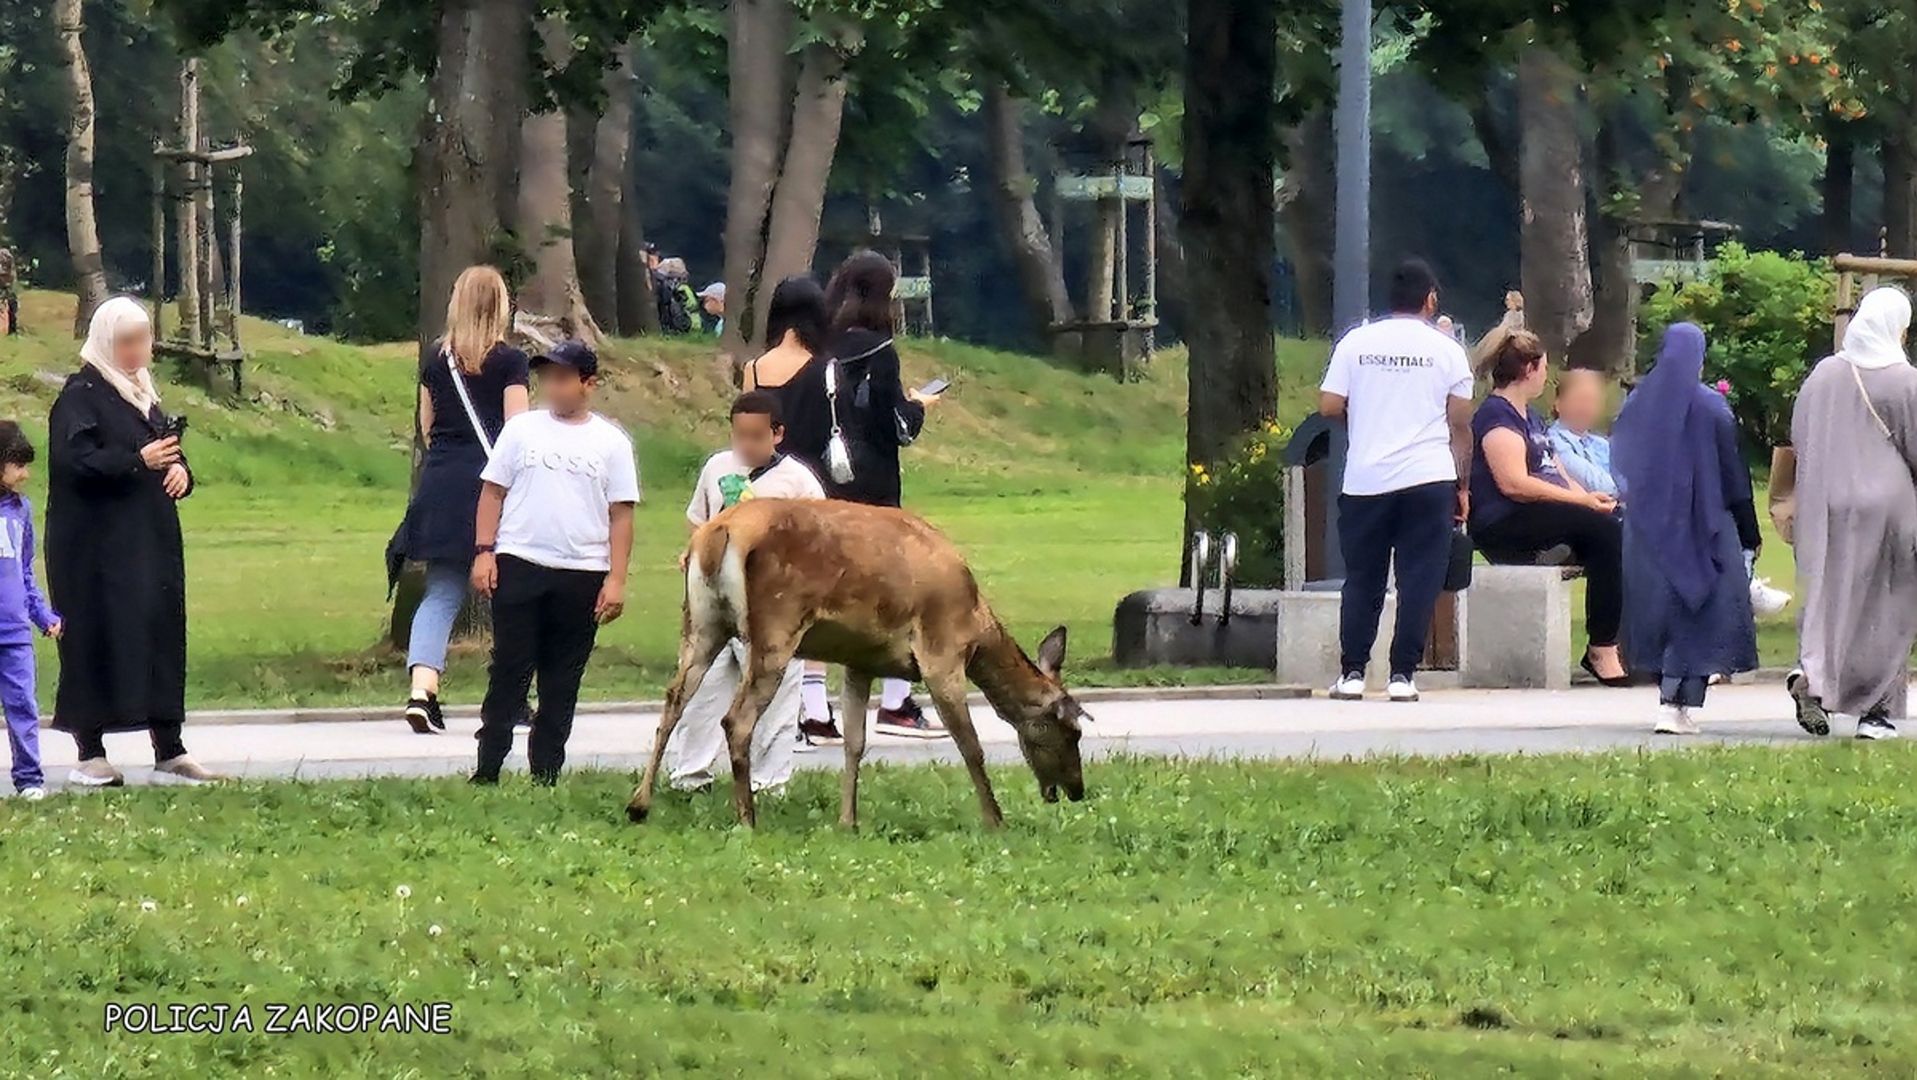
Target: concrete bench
{"points": [[1154, 627], [1518, 627]]}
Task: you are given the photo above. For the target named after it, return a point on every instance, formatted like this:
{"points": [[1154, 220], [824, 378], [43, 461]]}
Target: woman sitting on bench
{"points": [[1524, 504]]}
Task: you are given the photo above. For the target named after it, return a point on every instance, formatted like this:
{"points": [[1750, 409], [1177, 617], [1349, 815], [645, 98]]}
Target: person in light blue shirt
{"points": [[1582, 452]]}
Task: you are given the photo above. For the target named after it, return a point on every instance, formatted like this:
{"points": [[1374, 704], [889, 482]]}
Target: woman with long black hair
{"points": [[793, 371], [877, 416]]}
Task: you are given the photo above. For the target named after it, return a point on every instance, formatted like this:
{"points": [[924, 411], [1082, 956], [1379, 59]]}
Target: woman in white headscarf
{"points": [[114, 559], [1855, 433]]}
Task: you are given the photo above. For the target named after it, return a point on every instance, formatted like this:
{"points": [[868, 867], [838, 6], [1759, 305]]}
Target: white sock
{"points": [[893, 692], [812, 695]]}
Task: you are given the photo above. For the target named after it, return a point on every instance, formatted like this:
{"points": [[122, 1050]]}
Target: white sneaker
{"points": [[96, 772], [1401, 690], [1766, 599], [1675, 720], [1349, 688], [33, 794], [1876, 727]]}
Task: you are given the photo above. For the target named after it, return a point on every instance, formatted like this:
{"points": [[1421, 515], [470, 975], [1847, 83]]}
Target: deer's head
{"points": [[1048, 725]]}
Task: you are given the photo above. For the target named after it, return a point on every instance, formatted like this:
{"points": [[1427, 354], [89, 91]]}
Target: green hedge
{"points": [[1768, 318]]}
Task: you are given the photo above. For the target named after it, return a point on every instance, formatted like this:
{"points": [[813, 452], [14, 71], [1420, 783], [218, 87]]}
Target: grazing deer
{"points": [[884, 594]]}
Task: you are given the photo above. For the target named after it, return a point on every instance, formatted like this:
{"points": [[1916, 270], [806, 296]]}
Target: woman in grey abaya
{"points": [[1855, 432]]}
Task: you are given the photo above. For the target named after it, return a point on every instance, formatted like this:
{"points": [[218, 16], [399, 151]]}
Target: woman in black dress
{"points": [[878, 416], [115, 563], [793, 370], [470, 383]]}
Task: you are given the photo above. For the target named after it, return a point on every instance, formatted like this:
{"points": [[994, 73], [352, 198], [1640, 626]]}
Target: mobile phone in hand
{"points": [[936, 387]]}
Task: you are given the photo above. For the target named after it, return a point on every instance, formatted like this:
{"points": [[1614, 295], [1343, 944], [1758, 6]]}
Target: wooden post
{"points": [[233, 271], [1151, 236], [188, 213], [157, 289], [1121, 267]]}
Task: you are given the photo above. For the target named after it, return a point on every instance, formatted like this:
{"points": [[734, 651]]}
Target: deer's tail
{"points": [[714, 600]]}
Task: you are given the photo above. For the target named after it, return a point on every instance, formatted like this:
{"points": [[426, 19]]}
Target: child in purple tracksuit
{"points": [[22, 610]]}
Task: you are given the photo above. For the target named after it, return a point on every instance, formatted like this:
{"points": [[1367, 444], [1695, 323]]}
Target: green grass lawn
{"points": [[1741, 912]]}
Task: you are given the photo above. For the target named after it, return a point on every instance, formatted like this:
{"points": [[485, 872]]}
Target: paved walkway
{"points": [[1446, 722]]}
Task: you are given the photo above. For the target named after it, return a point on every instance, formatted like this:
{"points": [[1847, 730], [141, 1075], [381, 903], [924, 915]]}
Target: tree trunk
{"points": [[638, 309], [1041, 273], [598, 243], [1900, 208], [83, 229], [545, 208], [467, 172], [1110, 128], [1230, 134], [1838, 187], [758, 37], [469, 154], [1552, 236], [792, 231], [1307, 213]]}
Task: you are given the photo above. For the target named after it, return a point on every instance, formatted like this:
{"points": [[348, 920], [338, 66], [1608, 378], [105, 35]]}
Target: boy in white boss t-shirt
{"points": [[752, 468], [1404, 389], [553, 537]]}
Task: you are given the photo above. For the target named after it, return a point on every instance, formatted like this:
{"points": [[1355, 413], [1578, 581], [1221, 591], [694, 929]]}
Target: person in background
{"points": [[116, 566], [1692, 517], [1523, 503], [793, 372], [552, 542], [471, 382], [751, 468], [878, 415], [1855, 526], [23, 610], [9, 294], [712, 302], [1404, 390], [1583, 454], [672, 292]]}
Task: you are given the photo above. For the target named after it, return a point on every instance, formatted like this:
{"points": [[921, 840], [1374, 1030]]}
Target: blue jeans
{"points": [[446, 585]]}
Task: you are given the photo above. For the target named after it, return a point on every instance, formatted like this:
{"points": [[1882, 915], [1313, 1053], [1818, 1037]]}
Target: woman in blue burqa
{"points": [[1688, 520]]}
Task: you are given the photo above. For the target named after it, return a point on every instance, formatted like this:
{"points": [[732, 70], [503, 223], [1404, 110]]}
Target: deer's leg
{"points": [[853, 707], [764, 672], [696, 655], [948, 693]]}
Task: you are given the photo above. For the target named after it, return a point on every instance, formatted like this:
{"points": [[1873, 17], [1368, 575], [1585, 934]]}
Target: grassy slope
{"points": [[1062, 488], [1739, 912]]}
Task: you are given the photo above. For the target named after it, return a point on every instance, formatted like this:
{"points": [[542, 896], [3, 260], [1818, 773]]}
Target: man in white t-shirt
{"points": [[751, 468], [553, 537], [1404, 390]]}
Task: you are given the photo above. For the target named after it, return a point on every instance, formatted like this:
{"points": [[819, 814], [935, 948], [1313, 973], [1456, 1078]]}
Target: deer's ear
{"points": [[1051, 653]]}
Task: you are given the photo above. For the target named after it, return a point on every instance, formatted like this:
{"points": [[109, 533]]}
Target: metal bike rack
{"points": [[1200, 562], [1227, 571], [1201, 566]]}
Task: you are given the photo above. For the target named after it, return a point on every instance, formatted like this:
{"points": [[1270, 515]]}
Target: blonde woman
{"points": [[470, 383]]}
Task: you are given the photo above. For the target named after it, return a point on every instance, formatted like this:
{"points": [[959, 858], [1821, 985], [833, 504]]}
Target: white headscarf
{"points": [[111, 321], [1875, 337]]}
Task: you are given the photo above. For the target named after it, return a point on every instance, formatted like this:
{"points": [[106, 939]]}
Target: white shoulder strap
{"points": [[472, 414]]}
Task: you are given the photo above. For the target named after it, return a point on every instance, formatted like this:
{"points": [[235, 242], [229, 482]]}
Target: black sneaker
{"points": [[820, 733], [909, 721], [484, 779], [425, 715], [1876, 726], [1810, 711]]}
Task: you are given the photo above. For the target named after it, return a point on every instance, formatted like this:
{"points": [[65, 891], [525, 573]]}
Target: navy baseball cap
{"points": [[573, 354]]}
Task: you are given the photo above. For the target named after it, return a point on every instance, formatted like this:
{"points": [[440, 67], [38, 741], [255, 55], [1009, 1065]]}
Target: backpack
{"points": [[667, 290]]}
